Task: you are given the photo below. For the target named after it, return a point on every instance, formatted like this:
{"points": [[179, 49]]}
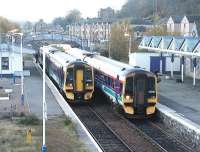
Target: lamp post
{"points": [[44, 149], [1, 56], [129, 48], [22, 74], [21, 52]]}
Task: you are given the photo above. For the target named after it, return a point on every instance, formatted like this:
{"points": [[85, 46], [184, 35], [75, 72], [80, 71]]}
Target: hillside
{"points": [[146, 8]]}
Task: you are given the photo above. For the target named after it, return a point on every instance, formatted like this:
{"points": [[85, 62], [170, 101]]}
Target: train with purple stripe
{"points": [[133, 89], [72, 76]]}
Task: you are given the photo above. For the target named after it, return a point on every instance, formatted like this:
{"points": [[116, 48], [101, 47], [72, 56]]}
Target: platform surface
{"points": [[33, 93], [181, 97]]}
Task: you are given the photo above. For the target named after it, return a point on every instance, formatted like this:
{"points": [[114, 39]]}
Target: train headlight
{"points": [[87, 84], [127, 97]]}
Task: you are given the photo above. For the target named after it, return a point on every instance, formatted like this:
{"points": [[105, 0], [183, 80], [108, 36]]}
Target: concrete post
{"points": [[194, 74], [172, 66], [161, 63], [182, 68]]}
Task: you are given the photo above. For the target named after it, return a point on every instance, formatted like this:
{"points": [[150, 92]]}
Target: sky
{"points": [[33, 10]]}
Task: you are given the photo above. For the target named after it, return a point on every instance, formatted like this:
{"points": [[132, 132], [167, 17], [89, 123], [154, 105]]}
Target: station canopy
{"points": [[184, 46]]}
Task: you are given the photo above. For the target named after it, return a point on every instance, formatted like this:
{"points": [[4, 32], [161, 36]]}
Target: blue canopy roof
{"points": [[178, 45]]}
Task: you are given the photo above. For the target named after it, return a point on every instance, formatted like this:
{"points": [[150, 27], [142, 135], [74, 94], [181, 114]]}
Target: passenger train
{"points": [[72, 76], [132, 88]]}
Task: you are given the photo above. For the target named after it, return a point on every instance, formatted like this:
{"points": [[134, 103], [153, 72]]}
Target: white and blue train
{"points": [[72, 76], [133, 88]]}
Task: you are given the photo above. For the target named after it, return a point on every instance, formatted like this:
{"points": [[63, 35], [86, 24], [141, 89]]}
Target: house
{"points": [[40, 27], [139, 31], [106, 13], [43, 28], [190, 26], [93, 30], [174, 24]]}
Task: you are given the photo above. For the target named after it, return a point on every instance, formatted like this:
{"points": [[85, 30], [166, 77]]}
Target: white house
{"points": [[174, 24], [189, 26], [185, 26], [10, 61], [150, 61]]}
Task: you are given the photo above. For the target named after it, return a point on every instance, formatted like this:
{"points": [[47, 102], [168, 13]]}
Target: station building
{"points": [[150, 61], [187, 49], [10, 61]]}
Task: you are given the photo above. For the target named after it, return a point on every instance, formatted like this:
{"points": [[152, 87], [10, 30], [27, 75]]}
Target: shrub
{"points": [[68, 121], [29, 120]]}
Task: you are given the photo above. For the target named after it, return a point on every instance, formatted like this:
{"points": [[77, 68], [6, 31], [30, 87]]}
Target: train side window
{"points": [[70, 75], [111, 83], [106, 80], [117, 85]]}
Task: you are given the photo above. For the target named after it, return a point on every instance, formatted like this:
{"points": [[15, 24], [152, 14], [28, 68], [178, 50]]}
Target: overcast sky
{"points": [[33, 10]]}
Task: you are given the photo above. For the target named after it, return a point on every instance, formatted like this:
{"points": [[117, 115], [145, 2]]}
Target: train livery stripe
{"points": [[110, 93]]}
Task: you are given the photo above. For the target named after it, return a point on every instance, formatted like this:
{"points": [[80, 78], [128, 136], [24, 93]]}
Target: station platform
{"points": [[56, 105], [33, 93], [179, 109], [184, 98]]}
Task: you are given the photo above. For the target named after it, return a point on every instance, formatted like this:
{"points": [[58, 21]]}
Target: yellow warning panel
{"points": [[79, 80]]}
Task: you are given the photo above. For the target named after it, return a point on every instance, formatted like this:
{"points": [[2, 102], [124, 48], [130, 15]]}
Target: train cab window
{"points": [[88, 75], [129, 86], [70, 75], [151, 87]]}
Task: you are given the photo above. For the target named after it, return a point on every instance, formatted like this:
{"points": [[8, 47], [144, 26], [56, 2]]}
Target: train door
{"points": [[140, 93], [79, 80]]}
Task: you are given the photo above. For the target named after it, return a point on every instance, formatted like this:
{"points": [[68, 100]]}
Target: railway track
{"points": [[102, 133], [156, 133], [113, 132], [136, 140]]}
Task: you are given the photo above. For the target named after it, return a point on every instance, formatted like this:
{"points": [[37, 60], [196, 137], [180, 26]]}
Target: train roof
{"points": [[107, 65], [59, 56]]}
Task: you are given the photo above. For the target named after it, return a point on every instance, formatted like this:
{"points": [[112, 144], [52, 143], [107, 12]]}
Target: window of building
{"points": [[5, 63]]}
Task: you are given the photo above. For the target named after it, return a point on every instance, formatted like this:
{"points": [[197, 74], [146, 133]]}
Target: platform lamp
{"points": [[21, 52], [44, 107], [129, 46], [22, 74], [13, 33]]}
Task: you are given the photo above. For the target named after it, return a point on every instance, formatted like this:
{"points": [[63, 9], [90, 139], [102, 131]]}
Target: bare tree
{"points": [[119, 43]]}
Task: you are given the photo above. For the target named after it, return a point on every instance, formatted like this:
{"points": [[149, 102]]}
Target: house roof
{"points": [[139, 29], [195, 19], [177, 19], [198, 29]]}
